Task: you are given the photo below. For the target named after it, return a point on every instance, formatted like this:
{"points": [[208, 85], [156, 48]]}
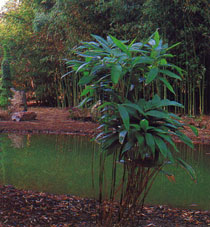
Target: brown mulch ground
{"points": [[27, 208]]}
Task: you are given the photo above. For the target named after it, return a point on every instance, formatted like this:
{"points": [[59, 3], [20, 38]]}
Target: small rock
{"points": [[23, 116]]}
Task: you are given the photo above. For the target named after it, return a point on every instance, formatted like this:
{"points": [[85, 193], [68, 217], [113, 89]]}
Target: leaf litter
{"points": [[26, 208]]}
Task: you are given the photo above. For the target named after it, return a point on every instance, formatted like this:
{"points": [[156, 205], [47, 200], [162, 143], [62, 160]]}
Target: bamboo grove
{"points": [[40, 36]]}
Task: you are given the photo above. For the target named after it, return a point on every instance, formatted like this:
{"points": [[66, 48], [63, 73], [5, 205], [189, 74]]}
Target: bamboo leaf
{"points": [[170, 74], [174, 45], [173, 67], [168, 85]]}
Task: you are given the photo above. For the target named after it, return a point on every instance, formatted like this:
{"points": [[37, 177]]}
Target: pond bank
{"points": [[57, 121], [49, 120]]}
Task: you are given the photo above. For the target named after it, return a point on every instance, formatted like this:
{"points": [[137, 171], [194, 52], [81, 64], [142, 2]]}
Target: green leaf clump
{"points": [[141, 128]]}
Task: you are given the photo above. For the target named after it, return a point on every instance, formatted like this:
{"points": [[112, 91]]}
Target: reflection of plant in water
{"points": [[17, 140], [135, 122], [4, 143]]}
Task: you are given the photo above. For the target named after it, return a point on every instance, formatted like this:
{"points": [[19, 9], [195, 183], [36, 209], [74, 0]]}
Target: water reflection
{"points": [[184, 192], [65, 164], [17, 141]]}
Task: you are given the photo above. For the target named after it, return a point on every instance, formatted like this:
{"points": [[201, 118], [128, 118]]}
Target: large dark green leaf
{"points": [[124, 115], [140, 139], [86, 80], [132, 112], [157, 114], [81, 67], [121, 45], [169, 140], [110, 141], [185, 139], [150, 142], [157, 130], [129, 145], [151, 75], [86, 90], [136, 107], [103, 42], [188, 168], [170, 74], [116, 72], [122, 136], [97, 68], [105, 104], [174, 67], [174, 116], [166, 102], [74, 62], [142, 60], [157, 39], [162, 146]]}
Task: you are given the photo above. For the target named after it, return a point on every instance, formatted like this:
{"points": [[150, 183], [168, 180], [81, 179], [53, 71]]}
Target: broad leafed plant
{"points": [[134, 119]]}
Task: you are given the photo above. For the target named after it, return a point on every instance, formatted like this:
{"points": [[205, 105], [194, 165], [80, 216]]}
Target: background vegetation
{"points": [[40, 35]]}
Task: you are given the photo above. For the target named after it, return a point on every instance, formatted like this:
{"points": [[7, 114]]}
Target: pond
{"points": [[63, 164]]}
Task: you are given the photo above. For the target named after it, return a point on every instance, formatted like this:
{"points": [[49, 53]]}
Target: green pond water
{"points": [[64, 164]]}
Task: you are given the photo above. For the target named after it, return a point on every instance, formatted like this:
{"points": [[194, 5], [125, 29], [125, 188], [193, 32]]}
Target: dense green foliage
{"points": [[187, 22], [41, 34], [6, 80], [124, 79], [117, 73]]}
